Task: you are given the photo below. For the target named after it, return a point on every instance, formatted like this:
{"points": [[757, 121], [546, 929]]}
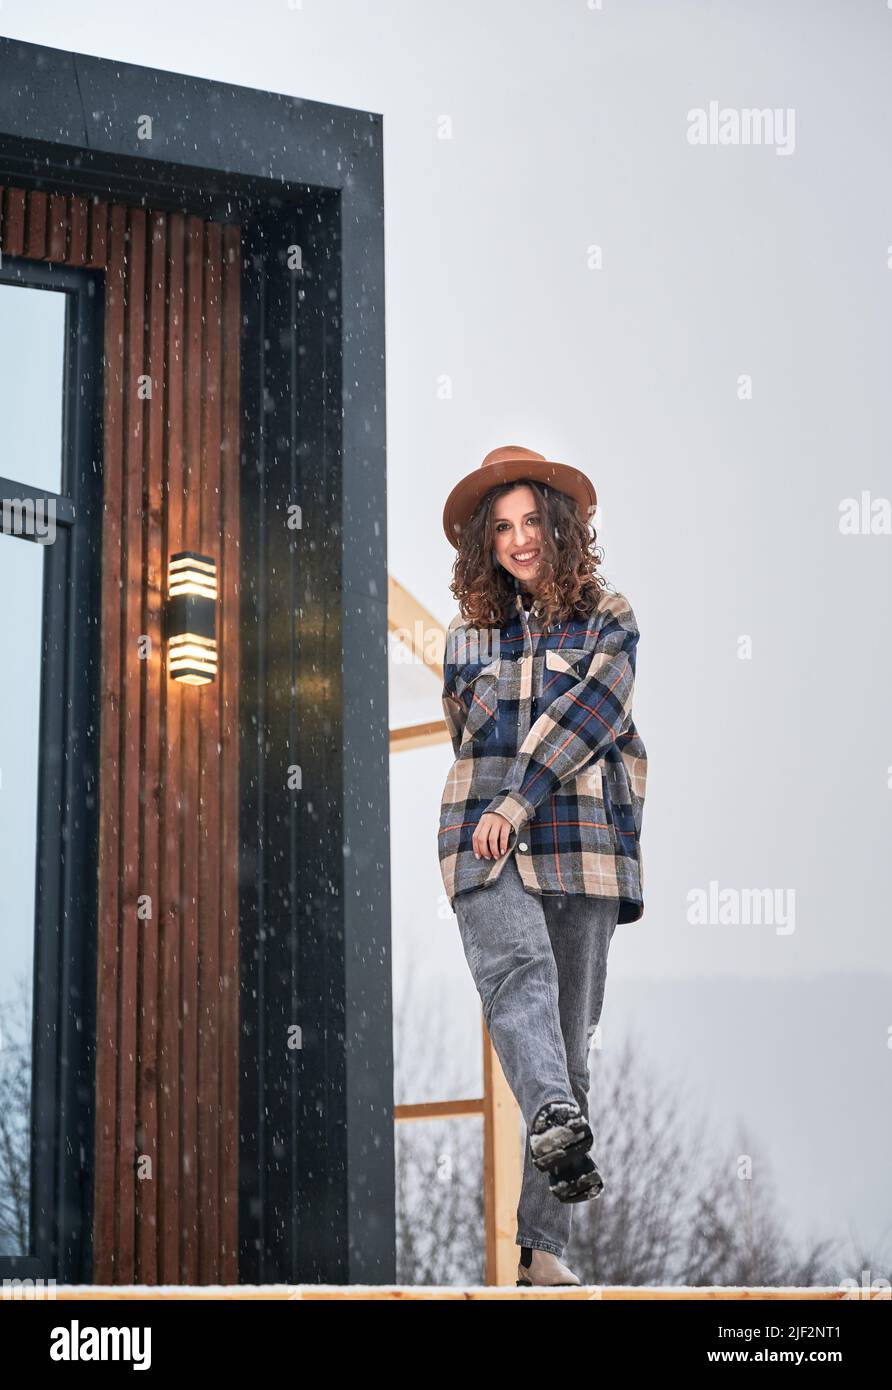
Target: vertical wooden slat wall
{"points": [[166, 1160]]}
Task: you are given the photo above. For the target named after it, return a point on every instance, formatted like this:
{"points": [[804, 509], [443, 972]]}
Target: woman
{"points": [[540, 821]]}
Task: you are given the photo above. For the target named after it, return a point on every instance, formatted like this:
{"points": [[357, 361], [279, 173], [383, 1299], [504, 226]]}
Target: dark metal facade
{"points": [[315, 1173]]}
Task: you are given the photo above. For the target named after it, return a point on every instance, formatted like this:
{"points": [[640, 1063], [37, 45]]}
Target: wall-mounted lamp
{"points": [[190, 617]]}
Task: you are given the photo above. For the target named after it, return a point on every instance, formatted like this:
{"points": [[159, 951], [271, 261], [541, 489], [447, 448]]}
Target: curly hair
{"points": [[568, 583]]}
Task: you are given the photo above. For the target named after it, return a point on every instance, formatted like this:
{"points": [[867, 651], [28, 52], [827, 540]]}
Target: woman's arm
{"points": [[454, 711], [454, 714], [579, 726]]}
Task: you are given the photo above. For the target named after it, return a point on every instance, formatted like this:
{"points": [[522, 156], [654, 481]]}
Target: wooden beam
{"points": [[502, 1168], [418, 736], [439, 1109], [418, 628], [426, 1293]]}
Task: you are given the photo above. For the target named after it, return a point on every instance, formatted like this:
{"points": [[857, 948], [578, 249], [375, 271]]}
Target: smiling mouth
{"points": [[526, 557]]}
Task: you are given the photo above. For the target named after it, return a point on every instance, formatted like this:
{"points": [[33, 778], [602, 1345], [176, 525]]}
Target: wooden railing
{"points": [[404, 1293], [502, 1158]]}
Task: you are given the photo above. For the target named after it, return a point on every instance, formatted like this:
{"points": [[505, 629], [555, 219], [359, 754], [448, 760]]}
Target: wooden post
{"points": [[502, 1168]]}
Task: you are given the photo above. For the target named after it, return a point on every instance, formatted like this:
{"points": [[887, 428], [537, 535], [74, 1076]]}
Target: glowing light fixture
{"points": [[190, 618]]}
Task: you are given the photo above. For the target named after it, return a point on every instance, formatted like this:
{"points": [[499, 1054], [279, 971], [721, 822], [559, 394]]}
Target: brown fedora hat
{"points": [[509, 464]]}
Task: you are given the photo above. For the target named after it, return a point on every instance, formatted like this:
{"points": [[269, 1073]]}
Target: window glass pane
{"points": [[21, 574], [32, 361]]}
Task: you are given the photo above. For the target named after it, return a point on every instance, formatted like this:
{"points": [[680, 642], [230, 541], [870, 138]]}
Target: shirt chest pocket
{"points": [[477, 686], [564, 668]]}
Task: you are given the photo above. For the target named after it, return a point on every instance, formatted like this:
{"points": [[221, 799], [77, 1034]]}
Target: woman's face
{"points": [[517, 534]]}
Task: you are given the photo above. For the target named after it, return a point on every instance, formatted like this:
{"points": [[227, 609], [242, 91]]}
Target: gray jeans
{"points": [[540, 967]]}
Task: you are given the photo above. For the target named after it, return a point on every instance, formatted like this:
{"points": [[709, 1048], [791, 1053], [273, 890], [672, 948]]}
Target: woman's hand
{"points": [[490, 839]]}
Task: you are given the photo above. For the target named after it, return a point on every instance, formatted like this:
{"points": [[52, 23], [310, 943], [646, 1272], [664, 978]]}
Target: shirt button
{"points": [[523, 845]]}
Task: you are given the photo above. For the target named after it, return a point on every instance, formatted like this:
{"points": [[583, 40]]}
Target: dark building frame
{"points": [[316, 1166], [64, 1018]]}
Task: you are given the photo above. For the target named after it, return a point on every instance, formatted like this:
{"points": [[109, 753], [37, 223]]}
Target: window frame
{"points": [[64, 974]]}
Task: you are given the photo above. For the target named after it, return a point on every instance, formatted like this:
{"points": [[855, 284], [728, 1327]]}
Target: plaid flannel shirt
{"points": [[541, 727]]}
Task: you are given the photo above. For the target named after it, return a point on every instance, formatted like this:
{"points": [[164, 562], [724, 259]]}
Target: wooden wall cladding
{"points": [[166, 1178]]}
